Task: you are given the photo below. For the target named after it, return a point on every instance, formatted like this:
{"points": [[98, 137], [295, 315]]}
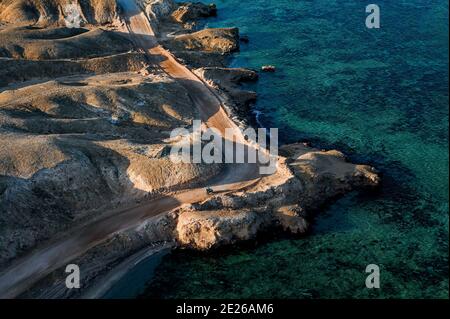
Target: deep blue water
{"points": [[381, 97]]}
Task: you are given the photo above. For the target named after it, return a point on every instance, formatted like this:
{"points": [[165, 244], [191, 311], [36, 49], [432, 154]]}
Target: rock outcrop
{"points": [[188, 11], [326, 174], [204, 230], [306, 180], [292, 219], [157, 10], [228, 80], [220, 40], [225, 77]]}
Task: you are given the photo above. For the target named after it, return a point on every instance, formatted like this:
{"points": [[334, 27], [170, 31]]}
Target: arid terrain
{"points": [[90, 91]]}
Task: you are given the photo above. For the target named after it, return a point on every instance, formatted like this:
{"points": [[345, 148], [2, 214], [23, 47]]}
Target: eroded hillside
{"points": [[84, 120], [45, 12]]}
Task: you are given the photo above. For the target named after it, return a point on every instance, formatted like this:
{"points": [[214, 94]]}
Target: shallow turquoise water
{"points": [[381, 97]]}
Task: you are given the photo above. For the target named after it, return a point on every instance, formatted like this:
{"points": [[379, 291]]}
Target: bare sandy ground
{"points": [[29, 269]]}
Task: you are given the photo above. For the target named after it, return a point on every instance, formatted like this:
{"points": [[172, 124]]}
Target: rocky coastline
{"points": [[306, 180], [310, 178]]}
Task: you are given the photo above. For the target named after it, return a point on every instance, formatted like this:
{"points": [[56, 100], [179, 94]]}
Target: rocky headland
{"points": [[85, 120]]}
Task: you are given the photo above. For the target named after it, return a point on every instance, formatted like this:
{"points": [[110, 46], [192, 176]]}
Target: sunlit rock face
{"points": [[157, 9], [189, 11], [220, 40], [210, 229]]}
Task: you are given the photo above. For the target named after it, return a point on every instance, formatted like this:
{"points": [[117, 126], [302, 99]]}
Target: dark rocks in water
{"points": [[234, 75], [244, 39], [189, 11], [229, 80], [244, 98]]}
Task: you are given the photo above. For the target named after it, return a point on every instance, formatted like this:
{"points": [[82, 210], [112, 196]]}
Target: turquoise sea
{"points": [[378, 95]]}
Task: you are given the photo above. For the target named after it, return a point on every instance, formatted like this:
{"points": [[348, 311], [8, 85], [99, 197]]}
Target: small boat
{"points": [[268, 68], [209, 191]]}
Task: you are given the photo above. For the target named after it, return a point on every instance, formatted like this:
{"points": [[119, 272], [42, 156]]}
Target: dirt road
{"points": [[28, 270]]}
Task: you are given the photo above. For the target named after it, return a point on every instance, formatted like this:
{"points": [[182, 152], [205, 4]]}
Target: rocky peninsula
{"points": [[85, 120]]}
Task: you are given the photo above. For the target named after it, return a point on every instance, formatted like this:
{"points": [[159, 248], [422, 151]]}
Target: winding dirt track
{"points": [[56, 254]]}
